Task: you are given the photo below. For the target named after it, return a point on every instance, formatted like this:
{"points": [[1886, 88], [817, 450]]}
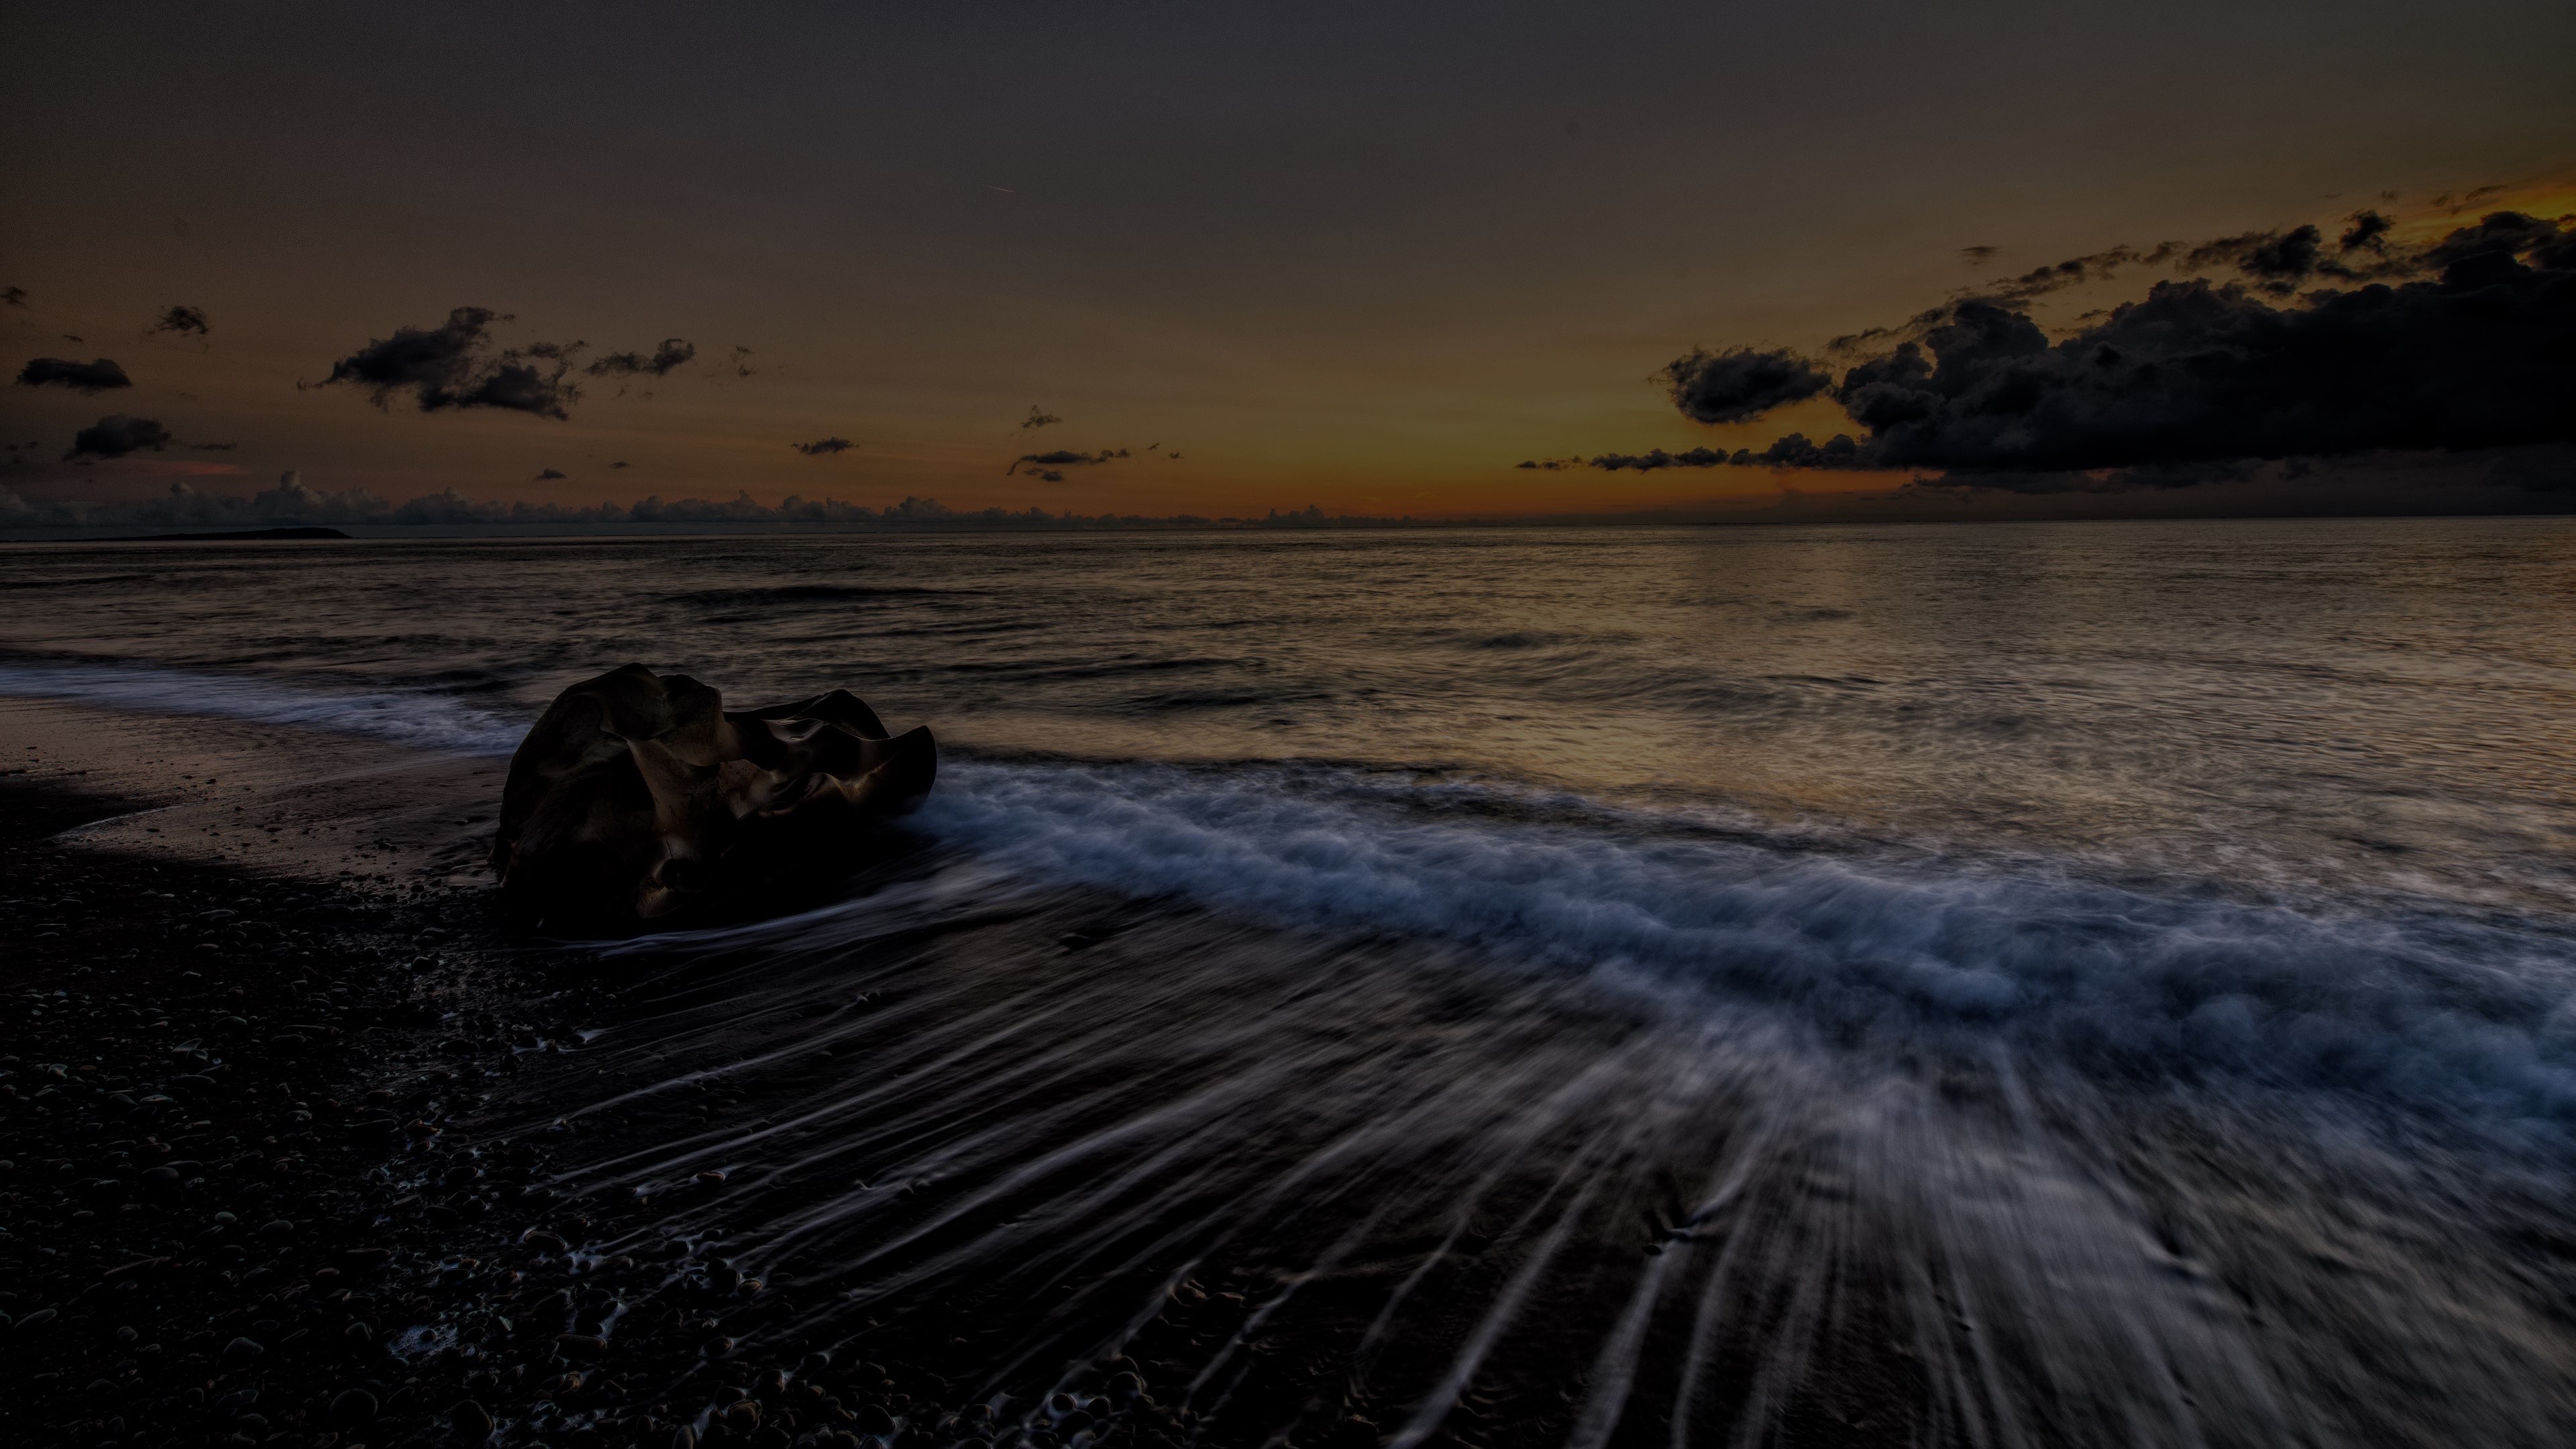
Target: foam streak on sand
{"points": [[420, 720], [2467, 1018], [1432, 1179]]}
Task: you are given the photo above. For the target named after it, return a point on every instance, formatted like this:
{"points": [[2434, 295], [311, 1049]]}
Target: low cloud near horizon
{"points": [[2455, 345]]}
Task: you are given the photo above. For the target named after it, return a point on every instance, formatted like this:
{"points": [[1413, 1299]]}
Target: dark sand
{"points": [[277, 1147]]}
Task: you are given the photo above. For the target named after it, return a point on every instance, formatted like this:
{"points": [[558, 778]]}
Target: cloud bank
{"points": [[291, 501], [2463, 343]]}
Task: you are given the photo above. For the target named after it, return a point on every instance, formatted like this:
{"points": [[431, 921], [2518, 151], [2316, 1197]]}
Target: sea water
{"points": [[1998, 984]]}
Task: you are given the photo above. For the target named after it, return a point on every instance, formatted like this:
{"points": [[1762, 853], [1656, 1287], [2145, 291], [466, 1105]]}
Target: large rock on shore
{"points": [[638, 796]]}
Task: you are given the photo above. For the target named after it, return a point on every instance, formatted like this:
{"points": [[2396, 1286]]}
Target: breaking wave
{"points": [[2439, 1013], [2434, 1013]]}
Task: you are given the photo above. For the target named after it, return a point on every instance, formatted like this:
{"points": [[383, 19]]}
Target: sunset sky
{"points": [[1365, 256]]}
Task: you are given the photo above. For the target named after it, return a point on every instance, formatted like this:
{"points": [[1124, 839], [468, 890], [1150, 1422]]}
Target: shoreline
{"points": [[984, 1162], [279, 1147]]}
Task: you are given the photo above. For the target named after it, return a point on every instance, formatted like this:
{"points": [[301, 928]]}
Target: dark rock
{"points": [[470, 1421], [581, 1347], [242, 1351], [37, 1319], [873, 1419], [618, 806]]}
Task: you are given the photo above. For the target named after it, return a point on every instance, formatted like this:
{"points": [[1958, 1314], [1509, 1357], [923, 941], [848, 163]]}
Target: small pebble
{"points": [[353, 1409], [242, 1351]]}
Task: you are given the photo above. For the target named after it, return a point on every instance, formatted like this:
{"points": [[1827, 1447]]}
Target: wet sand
{"points": [[980, 1161], [279, 1162]]}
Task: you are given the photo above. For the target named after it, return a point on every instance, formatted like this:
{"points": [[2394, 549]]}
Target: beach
{"points": [[1421, 1003]]}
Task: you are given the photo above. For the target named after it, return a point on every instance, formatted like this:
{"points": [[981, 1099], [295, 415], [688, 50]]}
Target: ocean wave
{"points": [[2435, 1010], [2435, 1013], [422, 721], [820, 593]]}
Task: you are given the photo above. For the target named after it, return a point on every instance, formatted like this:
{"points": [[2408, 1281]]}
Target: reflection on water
{"points": [[2013, 985], [2383, 700]]}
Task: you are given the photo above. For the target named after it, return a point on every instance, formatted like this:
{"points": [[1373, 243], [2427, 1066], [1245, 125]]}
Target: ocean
{"points": [[1983, 984]]}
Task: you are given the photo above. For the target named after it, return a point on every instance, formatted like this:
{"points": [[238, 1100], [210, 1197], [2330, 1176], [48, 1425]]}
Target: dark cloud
{"points": [[2471, 353], [1066, 458], [1793, 451], [1047, 475], [2074, 271], [2368, 229], [620, 463], [2550, 245], [183, 319], [819, 447], [1039, 417], [673, 354], [93, 377], [2276, 260], [1978, 256], [116, 435], [1550, 465], [738, 362], [452, 366], [1655, 458], [550, 475], [1730, 386], [214, 447], [14, 296]]}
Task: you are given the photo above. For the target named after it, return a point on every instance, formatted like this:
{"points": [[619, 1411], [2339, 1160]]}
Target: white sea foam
{"points": [[2441, 1013], [420, 720], [2432, 1010]]}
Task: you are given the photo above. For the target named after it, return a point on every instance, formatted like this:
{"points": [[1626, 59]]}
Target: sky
{"points": [[1367, 257]]}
